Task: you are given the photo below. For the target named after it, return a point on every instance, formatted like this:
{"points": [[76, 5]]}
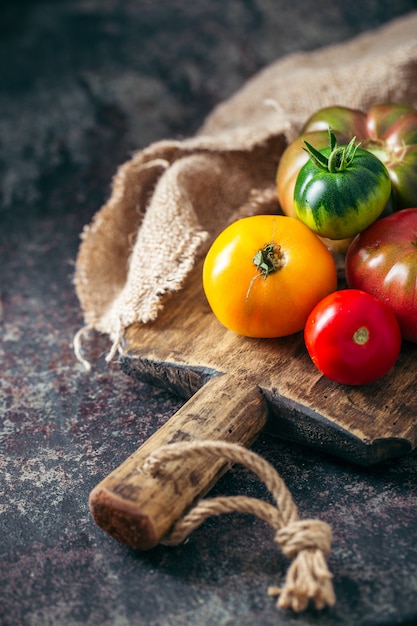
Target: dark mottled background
{"points": [[82, 84]]}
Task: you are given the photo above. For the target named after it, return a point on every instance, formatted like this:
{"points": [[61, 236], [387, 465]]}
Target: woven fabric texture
{"points": [[169, 201]]}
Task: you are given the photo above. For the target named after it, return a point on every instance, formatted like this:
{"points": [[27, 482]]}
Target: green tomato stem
{"points": [[361, 336], [340, 156], [267, 260]]}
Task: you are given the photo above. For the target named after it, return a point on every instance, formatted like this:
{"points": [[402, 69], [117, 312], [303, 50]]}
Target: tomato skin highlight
{"points": [[383, 261], [352, 337], [275, 305]]}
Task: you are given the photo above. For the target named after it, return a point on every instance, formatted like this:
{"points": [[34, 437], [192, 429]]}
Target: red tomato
{"points": [[352, 337], [383, 261], [263, 275]]}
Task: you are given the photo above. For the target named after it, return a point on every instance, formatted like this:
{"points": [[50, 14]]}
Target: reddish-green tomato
{"points": [[263, 275], [352, 337], [388, 130], [383, 261]]}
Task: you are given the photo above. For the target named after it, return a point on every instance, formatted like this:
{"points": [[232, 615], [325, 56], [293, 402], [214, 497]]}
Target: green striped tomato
{"points": [[341, 190]]}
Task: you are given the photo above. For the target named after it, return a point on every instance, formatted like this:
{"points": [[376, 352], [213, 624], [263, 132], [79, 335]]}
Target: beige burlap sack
{"points": [[170, 200]]}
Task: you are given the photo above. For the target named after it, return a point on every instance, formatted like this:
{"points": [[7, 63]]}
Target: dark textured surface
{"points": [[82, 85]]}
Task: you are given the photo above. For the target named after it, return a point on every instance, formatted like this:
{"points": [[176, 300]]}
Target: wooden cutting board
{"points": [[236, 386]]}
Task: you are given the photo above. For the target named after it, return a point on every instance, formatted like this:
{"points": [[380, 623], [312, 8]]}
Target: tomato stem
{"points": [[361, 336], [267, 260], [340, 156]]}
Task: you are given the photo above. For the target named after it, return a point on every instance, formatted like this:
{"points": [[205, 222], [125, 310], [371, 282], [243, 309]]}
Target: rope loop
{"points": [[305, 542]]}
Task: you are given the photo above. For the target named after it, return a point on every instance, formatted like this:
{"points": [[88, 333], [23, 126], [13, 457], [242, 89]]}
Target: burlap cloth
{"points": [[169, 200]]}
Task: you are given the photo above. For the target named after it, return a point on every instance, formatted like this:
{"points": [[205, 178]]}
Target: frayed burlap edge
{"points": [[170, 200]]}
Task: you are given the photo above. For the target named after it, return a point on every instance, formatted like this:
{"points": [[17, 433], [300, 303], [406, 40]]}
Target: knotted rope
{"points": [[305, 542]]}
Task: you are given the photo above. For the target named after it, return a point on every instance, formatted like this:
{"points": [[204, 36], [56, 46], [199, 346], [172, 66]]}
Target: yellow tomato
{"points": [[264, 274]]}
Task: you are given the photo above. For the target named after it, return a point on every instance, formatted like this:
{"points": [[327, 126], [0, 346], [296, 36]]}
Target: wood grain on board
{"points": [[235, 387]]}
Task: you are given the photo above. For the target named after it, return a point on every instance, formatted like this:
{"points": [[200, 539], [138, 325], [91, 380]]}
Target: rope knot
{"points": [[308, 579], [299, 535]]}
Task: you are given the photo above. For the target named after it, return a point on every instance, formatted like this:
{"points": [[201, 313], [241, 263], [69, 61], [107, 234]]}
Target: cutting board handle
{"points": [[138, 508]]}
